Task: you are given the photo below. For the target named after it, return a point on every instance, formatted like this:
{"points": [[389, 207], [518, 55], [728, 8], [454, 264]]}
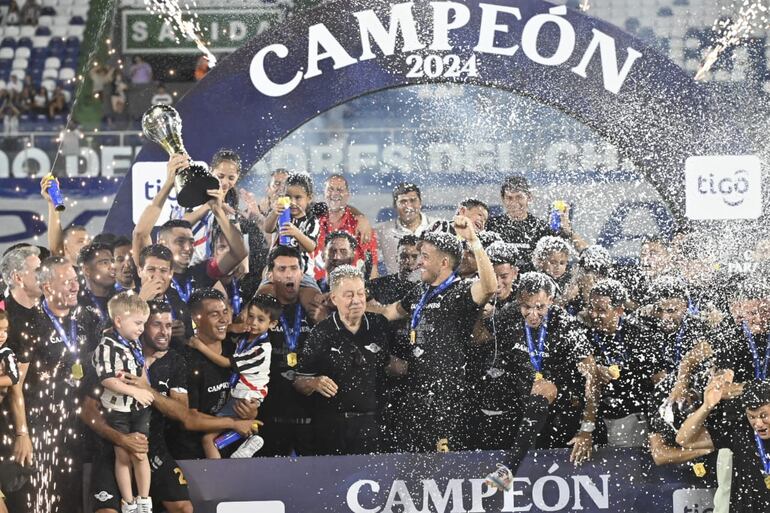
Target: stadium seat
{"points": [[8, 42], [45, 21], [70, 62], [76, 30], [43, 31], [12, 31], [2, 84], [50, 73], [61, 20], [6, 64], [7, 53], [40, 42], [72, 42], [49, 84], [25, 41], [80, 10], [59, 31], [23, 52], [66, 74], [20, 63], [55, 42], [77, 20], [53, 62], [27, 31], [19, 73], [47, 11]]}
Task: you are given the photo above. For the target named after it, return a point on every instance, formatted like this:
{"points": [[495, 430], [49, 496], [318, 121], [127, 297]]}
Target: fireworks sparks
{"points": [[172, 12], [752, 15], [585, 5]]}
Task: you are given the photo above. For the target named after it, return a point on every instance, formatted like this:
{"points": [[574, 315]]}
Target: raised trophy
{"points": [[162, 125]]}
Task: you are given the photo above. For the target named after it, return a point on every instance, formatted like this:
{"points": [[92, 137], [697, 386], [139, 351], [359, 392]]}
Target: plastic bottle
{"points": [[285, 219], [554, 221], [55, 193], [227, 438]]}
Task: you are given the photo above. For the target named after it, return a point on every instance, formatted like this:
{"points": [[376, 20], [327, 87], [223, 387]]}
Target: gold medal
{"points": [[767, 481], [538, 376], [77, 371], [699, 469], [413, 337], [614, 371], [291, 359]]}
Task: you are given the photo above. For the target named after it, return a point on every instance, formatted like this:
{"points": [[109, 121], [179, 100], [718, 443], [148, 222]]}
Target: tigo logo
{"points": [[723, 187]]}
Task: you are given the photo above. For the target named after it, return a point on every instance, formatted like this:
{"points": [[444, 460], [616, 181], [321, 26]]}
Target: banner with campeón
{"points": [[619, 86], [616, 481]]}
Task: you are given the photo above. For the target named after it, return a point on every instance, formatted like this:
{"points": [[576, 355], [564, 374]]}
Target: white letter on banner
{"points": [[318, 36], [352, 496], [479, 490], [5, 171], [20, 166], [399, 496], [400, 18], [600, 498], [431, 493], [442, 25], [489, 28], [613, 79], [509, 497], [259, 76], [562, 485], [566, 37]]}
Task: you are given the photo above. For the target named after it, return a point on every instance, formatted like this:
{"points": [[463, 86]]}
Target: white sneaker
{"points": [[126, 507], [249, 447], [502, 478], [144, 505]]}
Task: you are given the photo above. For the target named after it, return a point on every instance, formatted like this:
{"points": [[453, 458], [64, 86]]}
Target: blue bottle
{"points": [[227, 438], [55, 193], [554, 221], [284, 240]]}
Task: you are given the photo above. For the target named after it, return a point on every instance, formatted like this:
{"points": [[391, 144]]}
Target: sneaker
{"points": [[144, 505], [126, 507], [502, 478], [249, 447]]}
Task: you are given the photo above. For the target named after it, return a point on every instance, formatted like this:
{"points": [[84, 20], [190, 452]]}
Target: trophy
{"points": [[162, 125]]}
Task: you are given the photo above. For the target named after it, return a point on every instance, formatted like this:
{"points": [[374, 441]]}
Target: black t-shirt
{"points": [[20, 327], [668, 348], [194, 277], [353, 361], [179, 311], [208, 389], [438, 356], [627, 348], [166, 374], [97, 305], [732, 350], [389, 289], [283, 401], [524, 233]]}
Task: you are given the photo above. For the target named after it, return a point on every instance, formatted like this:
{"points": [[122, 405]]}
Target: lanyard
{"points": [[428, 296], [102, 313], [136, 350], [536, 357], [292, 335], [236, 301], [169, 303], [242, 347], [187, 292], [616, 337], [763, 455], [72, 341], [692, 307], [760, 371]]}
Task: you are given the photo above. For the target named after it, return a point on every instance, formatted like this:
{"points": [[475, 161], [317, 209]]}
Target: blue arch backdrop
{"points": [[619, 86]]}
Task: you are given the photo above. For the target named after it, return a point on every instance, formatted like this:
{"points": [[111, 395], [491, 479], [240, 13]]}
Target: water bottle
{"points": [[227, 438], [55, 193], [284, 240], [554, 221]]}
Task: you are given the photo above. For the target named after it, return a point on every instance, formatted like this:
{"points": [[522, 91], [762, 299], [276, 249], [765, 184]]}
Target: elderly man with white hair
{"points": [[341, 364]]}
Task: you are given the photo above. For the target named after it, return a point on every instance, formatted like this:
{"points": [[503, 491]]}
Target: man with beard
{"points": [[178, 237], [341, 217], [442, 313], [410, 220], [552, 346], [749, 437], [285, 412], [125, 270], [51, 365], [155, 272], [341, 248], [208, 384], [98, 267], [389, 288], [19, 271]]}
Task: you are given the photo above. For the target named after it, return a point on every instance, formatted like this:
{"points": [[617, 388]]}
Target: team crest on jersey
{"points": [[102, 496]]}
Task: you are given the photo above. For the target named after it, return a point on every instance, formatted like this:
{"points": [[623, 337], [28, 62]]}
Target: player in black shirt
{"points": [[392, 287], [442, 314], [285, 412], [342, 361], [98, 267], [749, 437]]}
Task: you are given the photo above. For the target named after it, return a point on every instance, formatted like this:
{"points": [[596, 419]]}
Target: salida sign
{"points": [[497, 23]]}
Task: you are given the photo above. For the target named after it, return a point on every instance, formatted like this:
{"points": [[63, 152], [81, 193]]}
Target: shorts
{"points": [[307, 283], [167, 483], [137, 421]]}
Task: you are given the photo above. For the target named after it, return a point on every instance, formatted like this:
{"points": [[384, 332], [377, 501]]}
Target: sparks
{"points": [[172, 12]]}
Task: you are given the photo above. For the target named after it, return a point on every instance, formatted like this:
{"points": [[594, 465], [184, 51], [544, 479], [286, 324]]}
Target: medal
{"points": [[614, 371], [291, 359], [617, 339], [413, 337], [699, 469], [77, 372], [767, 481], [538, 376], [291, 335], [427, 296], [536, 354]]}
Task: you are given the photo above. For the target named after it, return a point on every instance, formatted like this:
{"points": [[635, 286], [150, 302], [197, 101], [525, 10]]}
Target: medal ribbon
{"points": [[617, 337], [102, 313], [763, 455], [236, 301], [187, 292], [136, 350], [243, 346], [760, 371], [427, 297], [169, 303], [292, 335], [72, 341], [536, 357]]}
